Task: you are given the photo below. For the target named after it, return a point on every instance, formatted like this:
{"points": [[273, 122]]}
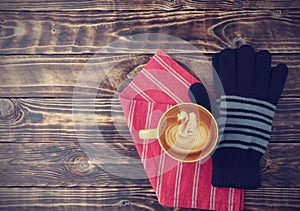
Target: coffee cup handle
{"points": [[148, 134]]}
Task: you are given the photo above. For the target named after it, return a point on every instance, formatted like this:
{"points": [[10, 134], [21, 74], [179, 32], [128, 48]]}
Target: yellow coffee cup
{"points": [[187, 132]]}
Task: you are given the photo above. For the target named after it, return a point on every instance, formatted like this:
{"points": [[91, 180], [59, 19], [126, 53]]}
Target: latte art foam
{"points": [[186, 134]]}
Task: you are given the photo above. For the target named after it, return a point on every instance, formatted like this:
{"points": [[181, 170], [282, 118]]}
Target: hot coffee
{"points": [[187, 132]]}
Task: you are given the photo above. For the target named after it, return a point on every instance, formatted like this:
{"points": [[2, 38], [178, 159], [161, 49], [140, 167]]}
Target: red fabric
{"points": [[161, 84]]}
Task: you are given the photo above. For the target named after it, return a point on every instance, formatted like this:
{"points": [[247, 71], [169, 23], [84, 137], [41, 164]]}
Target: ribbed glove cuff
{"points": [[236, 168]]}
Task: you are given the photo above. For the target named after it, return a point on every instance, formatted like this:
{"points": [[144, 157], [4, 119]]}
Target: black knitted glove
{"points": [[252, 89], [246, 109]]}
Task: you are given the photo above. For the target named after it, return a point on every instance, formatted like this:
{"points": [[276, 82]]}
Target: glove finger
{"points": [[227, 70], [277, 81], [215, 62], [199, 95], [245, 70], [262, 74], [216, 72]]}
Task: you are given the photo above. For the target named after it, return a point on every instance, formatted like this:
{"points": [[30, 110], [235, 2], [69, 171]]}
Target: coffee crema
{"points": [[186, 133]]}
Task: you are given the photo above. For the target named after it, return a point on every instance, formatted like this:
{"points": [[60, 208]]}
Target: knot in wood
{"points": [[276, 13], [7, 108], [81, 165], [124, 203]]}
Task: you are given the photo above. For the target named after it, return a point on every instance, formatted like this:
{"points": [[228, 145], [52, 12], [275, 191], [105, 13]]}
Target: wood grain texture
{"points": [[58, 75], [47, 164], [128, 198], [141, 5], [54, 120], [74, 33], [67, 164], [278, 199]]}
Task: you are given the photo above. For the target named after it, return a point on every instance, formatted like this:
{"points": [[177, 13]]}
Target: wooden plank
{"points": [[148, 5], [55, 120], [58, 75], [279, 170], [128, 198], [210, 31], [67, 165], [131, 197], [272, 199]]}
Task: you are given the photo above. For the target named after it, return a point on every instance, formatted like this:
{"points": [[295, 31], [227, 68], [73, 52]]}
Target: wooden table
{"points": [[44, 46]]}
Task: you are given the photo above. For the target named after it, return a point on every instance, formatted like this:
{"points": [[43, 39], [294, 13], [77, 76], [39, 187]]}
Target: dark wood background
{"points": [[45, 44]]}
